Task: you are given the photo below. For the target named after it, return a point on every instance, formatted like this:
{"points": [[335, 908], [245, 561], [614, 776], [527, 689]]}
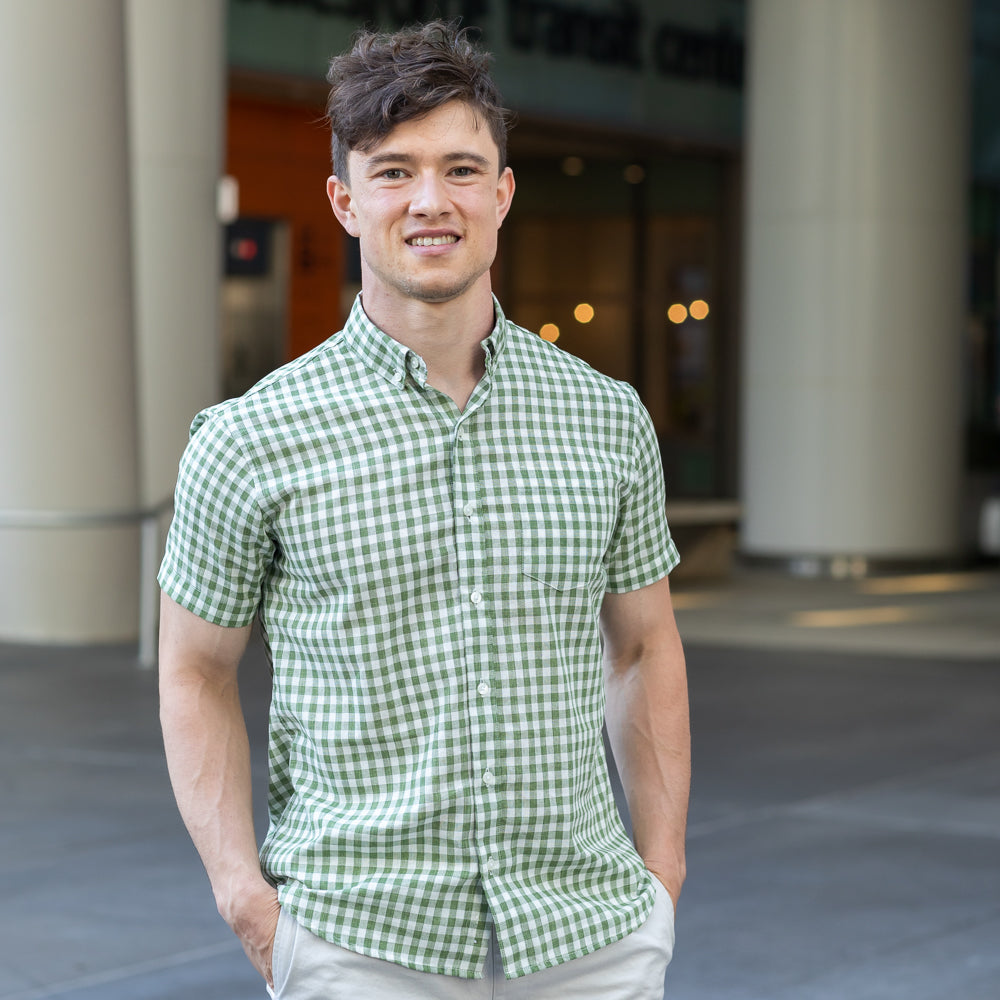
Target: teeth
{"points": [[431, 241]]}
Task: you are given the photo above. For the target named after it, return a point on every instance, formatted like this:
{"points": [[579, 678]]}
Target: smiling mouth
{"points": [[431, 241]]}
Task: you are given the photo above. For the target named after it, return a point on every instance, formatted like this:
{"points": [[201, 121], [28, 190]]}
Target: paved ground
{"points": [[845, 823], [939, 615]]}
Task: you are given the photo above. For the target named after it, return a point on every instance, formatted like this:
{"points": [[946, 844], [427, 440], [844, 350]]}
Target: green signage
{"points": [[654, 65]]}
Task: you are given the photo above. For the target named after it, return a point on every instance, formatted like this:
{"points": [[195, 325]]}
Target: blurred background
{"points": [[778, 220]]}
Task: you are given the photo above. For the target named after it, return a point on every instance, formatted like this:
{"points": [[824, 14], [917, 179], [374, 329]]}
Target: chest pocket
{"points": [[558, 535]]}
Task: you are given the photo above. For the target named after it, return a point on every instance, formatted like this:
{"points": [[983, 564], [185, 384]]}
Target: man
{"points": [[441, 521]]}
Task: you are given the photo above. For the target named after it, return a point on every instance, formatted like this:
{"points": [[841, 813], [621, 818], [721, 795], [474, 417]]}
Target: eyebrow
{"points": [[381, 159]]}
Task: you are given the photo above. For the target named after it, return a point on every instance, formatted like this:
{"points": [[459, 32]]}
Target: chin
{"points": [[432, 294]]}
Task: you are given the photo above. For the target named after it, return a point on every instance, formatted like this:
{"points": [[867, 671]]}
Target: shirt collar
{"points": [[493, 345], [393, 361]]}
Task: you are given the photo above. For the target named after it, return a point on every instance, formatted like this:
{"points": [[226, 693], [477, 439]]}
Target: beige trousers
{"points": [[306, 967]]}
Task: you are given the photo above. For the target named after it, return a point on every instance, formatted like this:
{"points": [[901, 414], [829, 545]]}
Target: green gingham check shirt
{"points": [[429, 581]]}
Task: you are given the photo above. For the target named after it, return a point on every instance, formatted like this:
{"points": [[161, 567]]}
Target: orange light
{"points": [[549, 332], [677, 313], [584, 312], [698, 309]]}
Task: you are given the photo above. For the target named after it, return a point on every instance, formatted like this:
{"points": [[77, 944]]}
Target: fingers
{"points": [[256, 926]]}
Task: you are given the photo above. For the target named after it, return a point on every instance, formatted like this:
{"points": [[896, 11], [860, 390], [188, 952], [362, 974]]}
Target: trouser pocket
{"points": [[281, 951]]}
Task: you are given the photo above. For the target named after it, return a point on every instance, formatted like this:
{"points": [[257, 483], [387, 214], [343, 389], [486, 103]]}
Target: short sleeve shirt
{"points": [[429, 581]]}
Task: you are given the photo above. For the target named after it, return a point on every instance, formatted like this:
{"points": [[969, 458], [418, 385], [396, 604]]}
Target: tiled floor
{"points": [[845, 822]]}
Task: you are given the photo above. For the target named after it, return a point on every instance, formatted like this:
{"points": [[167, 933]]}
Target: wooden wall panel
{"points": [[280, 154]]}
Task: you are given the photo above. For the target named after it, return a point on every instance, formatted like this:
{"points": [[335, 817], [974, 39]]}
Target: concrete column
{"points": [[67, 408], [176, 72], [855, 254]]}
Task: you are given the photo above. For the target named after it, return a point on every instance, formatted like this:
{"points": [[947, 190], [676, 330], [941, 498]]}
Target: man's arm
{"points": [[647, 720], [208, 756]]}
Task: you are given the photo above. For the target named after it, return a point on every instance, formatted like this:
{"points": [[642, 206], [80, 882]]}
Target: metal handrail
{"points": [[148, 519], [80, 518]]}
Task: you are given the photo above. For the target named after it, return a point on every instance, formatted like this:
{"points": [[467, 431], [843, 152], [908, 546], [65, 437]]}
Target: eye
{"points": [[393, 174], [464, 171]]}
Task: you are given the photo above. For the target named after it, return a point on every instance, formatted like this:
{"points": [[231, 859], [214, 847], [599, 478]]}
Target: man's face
{"points": [[426, 203]]}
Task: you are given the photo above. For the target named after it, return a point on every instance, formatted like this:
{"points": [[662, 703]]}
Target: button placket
{"points": [[474, 580]]}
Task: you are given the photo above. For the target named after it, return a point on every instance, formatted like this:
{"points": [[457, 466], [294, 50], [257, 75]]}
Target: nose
{"points": [[430, 196]]}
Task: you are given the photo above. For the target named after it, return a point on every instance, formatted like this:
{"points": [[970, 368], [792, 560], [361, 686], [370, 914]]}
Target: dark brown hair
{"points": [[388, 79]]}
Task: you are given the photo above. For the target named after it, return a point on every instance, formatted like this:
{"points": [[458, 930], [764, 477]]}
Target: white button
{"points": [[492, 865], [476, 597], [462, 434], [469, 509], [483, 688], [489, 779]]}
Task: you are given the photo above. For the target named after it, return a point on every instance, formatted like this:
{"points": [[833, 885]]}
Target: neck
{"points": [[447, 335]]}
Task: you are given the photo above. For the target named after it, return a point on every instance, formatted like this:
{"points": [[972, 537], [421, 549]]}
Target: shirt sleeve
{"points": [[641, 551], [218, 549]]}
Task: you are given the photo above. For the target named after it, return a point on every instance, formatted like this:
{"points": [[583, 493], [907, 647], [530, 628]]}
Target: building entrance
{"points": [[625, 264]]}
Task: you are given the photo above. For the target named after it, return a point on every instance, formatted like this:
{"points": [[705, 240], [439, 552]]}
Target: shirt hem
{"points": [[188, 602], [517, 970], [415, 964], [630, 927], [647, 579]]}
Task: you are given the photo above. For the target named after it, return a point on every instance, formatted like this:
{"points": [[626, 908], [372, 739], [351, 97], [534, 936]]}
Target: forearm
{"points": [[648, 726], [208, 757]]}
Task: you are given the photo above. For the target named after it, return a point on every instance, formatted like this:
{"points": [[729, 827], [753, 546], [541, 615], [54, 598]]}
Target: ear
{"points": [[505, 194], [342, 204]]}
